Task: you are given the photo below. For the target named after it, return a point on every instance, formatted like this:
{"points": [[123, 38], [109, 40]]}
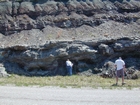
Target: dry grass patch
{"points": [[74, 81]]}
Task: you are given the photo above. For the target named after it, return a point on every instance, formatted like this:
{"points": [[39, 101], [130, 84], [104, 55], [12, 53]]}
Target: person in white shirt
{"points": [[69, 65], [120, 66]]}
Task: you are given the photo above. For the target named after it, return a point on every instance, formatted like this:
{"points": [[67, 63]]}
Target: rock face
{"points": [[3, 73], [37, 37]]}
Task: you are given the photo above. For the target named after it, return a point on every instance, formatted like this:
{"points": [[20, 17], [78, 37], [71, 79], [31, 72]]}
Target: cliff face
{"points": [[36, 38]]}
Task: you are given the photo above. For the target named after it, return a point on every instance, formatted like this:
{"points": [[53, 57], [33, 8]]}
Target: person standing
{"points": [[120, 67], [69, 65]]}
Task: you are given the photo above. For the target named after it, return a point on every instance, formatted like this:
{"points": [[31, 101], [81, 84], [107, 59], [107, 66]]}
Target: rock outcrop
{"points": [[37, 37], [3, 73]]}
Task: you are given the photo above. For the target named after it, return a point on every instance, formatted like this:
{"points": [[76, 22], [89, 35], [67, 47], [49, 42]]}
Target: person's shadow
{"points": [[114, 84]]}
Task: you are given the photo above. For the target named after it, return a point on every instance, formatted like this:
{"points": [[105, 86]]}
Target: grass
{"points": [[74, 81]]}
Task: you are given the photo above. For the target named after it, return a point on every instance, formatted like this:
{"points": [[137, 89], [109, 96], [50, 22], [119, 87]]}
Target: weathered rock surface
{"points": [[136, 75], [37, 38], [3, 73]]}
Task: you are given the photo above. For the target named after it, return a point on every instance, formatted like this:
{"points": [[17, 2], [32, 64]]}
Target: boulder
{"points": [[108, 70], [3, 73], [105, 49], [136, 75], [26, 8]]}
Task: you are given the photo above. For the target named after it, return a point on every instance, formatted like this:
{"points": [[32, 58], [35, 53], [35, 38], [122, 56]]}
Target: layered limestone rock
{"points": [[50, 58], [37, 37]]}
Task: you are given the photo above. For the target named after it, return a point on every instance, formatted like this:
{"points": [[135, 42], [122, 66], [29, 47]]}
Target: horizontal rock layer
{"points": [[36, 38]]}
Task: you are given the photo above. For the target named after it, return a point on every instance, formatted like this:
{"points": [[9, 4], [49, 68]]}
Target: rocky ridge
{"points": [[36, 38]]}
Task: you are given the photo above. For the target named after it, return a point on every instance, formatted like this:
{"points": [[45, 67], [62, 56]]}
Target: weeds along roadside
{"points": [[74, 81]]}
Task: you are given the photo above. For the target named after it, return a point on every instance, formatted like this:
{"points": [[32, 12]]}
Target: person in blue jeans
{"points": [[69, 65]]}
